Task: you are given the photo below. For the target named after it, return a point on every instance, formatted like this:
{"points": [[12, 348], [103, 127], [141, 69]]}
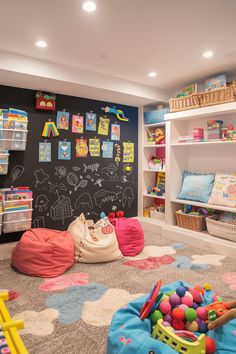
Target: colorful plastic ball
{"points": [[165, 298], [167, 318], [189, 294], [214, 298], [196, 296], [202, 327], [169, 293], [155, 316], [175, 300], [199, 289], [190, 315], [202, 313], [220, 299], [210, 345], [180, 291], [183, 307], [186, 300], [178, 314], [165, 324], [195, 305], [165, 307], [192, 326], [178, 325]]}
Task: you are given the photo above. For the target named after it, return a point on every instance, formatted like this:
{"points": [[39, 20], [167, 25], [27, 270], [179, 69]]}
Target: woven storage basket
{"points": [[221, 229], [192, 222], [222, 95], [184, 103]]}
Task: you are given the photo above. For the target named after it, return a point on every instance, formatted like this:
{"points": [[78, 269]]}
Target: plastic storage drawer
{"points": [[17, 215], [17, 203], [13, 144], [15, 226]]}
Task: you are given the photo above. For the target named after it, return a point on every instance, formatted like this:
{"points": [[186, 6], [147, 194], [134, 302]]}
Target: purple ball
{"points": [[198, 320], [195, 305], [202, 327], [174, 300], [167, 318]]}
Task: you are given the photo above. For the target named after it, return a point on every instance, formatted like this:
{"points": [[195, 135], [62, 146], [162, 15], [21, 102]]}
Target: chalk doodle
{"points": [[61, 171], [110, 172], [88, 177], [99, 182], [54, 188], [40, 176], [41, 202], [124, 179], [114, 208], [103, 196], [75, 168], [38, 222], [84, 201], [74, 181], [61, 209], [42, 189], [93, 167], [16, 172], [127, 197]]}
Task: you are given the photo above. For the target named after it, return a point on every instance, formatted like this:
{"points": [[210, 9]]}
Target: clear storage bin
{"points": [[17, 203], [10, 123], [17, 215], [13, 144], [15, 226]]}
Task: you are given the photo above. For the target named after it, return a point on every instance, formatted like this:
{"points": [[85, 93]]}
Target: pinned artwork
{"points": [[94, 147], [103, 126], [107, 149], [45, 154], [77, 124], [63, 120], [45, 101], [115, 132], [91, 121], [117, 154], [118, 112], [81, 148], [49, 130], [64, 150], [128, 152]]}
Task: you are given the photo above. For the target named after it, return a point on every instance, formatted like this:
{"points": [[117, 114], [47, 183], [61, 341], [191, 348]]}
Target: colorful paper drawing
{"points": [[94, 147], [128, 152], [77, 124], [45, 154], [50, 129], [81, 148], [107, 149], [115, 132], [64, 150], [63, 120], [91, 121], [103, 126]]}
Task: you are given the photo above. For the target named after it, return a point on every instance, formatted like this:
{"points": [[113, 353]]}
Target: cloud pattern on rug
{"points": [[64, 281], [150, 263], [230, 278], [153, 251], [184, 262], [38, 323], [213, 259], [178, 245], [70, 302], [100, 312]]}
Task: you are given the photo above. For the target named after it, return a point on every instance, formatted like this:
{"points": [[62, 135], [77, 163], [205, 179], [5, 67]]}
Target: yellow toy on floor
{"points": [[10, 328]]}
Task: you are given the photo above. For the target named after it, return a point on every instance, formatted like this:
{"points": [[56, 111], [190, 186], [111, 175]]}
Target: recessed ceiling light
{"points": [[41, 44], [89, 6], [152, 74], [208, 54]]}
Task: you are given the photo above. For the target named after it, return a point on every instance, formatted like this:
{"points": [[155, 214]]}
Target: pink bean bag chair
{"points": [[130, 236], [44, 253]]}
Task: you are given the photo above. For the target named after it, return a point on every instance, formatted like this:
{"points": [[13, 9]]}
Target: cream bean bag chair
{"points": [[94, 243]]}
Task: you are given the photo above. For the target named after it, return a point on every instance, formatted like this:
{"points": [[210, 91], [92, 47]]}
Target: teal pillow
{"points": [[197, 187]]}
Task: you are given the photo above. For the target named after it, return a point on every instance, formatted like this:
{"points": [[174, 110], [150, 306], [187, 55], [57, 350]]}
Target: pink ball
{"points": [[188, 294], [187, 300], [174, 300], [214, 298], [202, 313], [165, 307], [183, 307], [196, 296]]}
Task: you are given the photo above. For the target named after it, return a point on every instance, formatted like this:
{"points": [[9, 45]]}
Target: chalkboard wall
{"points": [[58, 184]]}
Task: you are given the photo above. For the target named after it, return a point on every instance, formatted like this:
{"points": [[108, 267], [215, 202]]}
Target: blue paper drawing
{"points": [[45, 154], [64, 150], [107, 149], [91, 121]]}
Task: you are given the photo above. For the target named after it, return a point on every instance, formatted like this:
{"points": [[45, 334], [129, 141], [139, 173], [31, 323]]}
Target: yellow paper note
{"points": [[103, 126], [94, 147], [128, 152]]}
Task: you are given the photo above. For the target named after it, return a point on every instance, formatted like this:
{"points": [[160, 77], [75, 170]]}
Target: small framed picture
{"points": [[188, 90], [215, 83]]}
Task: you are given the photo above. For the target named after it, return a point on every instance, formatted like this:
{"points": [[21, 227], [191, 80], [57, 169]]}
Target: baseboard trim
{"points": [[6, 250]]}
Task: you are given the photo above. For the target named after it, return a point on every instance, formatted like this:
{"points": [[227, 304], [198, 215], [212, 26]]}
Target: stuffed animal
{"points": [[160, 136]]}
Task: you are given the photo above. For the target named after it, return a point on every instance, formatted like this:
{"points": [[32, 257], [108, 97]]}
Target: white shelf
{"points": [[151, 221], [153, 196], [204, 205], [215, 142], [162, 124], [148, 170], [210, 111], [155, 146]]}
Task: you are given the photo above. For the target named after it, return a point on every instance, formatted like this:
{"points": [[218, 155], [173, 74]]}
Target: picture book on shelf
{"points": [[161, 182], [215, 83]]}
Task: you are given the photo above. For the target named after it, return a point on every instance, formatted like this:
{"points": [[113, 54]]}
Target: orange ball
{"points": [[178, 314]]}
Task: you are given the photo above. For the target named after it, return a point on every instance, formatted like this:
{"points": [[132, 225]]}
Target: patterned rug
{"points": [[71, 314]]}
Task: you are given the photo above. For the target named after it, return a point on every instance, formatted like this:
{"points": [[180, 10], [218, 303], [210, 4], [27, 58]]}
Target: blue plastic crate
{"points": [[155, 116]]}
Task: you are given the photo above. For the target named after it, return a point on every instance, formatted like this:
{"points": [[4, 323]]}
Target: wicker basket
{"points": [[221, 229], [184, 103], [192, 222], [222, 95]]}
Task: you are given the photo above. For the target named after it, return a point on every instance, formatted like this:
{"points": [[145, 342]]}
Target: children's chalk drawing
{"points": [[114, 208], [45, 152], [41, 203], [40, 176], [75, 168], [16, 172], [91, 121], [38, 222], [98, 182], [93, 167], [54, 188], [74, 181], [84, 201], [110, 172], [61, 209], [127, 197], [103, 196], [61, 171], [124, 179]]}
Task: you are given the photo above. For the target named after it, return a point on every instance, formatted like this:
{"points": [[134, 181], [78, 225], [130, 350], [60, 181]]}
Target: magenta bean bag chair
{"points": [[130, 236], [44, 253]]}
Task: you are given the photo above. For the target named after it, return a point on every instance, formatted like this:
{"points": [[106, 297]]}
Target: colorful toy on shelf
{"points": [[160, 136], [118, 112], [198, 134], [151, 136], [228, 133], [214, 129]]}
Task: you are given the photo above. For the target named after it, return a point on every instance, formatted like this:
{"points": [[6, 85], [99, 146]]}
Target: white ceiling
{"points": [[135, 36]]}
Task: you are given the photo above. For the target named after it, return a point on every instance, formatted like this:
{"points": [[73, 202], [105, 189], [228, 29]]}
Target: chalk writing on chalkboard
{"points": [[84, 201], [103, 196]]}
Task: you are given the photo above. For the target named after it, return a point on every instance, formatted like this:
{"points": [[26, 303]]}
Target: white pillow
{"points": [[94, 243], [224, 190]]}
